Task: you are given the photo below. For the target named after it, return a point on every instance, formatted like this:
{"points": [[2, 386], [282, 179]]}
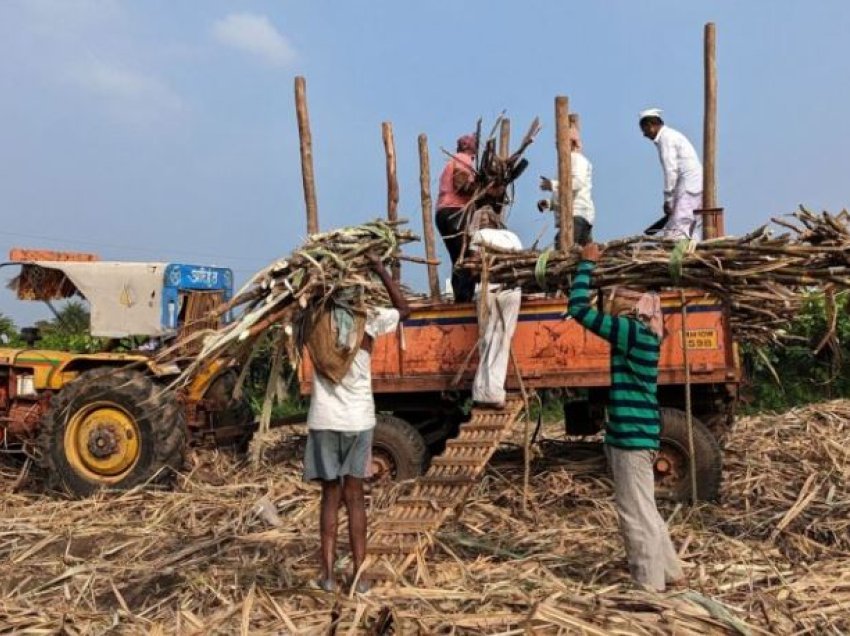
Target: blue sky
{"points": [[164, 130]]}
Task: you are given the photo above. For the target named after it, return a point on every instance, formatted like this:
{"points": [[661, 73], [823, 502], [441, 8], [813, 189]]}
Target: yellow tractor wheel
{"points": [[102, 442], [112, 428]]}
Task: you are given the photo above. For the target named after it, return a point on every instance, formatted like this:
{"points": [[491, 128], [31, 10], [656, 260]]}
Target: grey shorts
{"points": [[331, 455]]}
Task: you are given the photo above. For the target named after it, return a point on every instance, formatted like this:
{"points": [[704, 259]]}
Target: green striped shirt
{"points": [[633, 419]]}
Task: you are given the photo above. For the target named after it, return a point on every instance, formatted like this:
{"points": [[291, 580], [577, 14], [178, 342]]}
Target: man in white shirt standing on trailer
{"points": [[682, 175], [584, 211]]}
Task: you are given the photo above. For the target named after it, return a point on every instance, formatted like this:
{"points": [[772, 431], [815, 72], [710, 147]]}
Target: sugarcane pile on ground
{"points": [[329, 266], [764, 276], [772, 557]]}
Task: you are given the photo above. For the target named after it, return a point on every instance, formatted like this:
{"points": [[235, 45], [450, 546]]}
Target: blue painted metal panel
{"points": [[180, 277]]}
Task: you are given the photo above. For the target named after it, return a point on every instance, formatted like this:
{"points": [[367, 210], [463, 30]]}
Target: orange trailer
{"points": [[422, 377]]}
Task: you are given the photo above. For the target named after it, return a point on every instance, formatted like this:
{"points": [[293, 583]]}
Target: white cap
{"points": [[650, 112]]}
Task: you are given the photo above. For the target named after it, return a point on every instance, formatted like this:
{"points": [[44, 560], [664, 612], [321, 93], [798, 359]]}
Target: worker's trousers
{"points": [[494, 347], [450, 223], [652, 559], [682, 223]]}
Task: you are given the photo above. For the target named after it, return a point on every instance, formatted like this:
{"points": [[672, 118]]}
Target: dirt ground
{"points": [[770, 557]]}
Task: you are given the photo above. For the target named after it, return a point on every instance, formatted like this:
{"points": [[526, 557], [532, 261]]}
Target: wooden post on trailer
{"points": [[427, 222], [712, 215], [392, 184], [565, 181], [505, 138], [709, 131], [306, 139]]}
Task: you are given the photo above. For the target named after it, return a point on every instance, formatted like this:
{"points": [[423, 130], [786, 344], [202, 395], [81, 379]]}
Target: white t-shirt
{"points": [[349, 406], [581, 171]]}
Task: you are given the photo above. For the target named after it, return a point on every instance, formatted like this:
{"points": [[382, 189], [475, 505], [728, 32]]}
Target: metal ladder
{"points": [[405, 531]]}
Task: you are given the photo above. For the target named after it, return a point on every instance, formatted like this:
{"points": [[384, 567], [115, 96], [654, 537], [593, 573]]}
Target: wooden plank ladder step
{"points": [[468, 443], [456, 461], [416, 524], [474, 427], [411, 500], [448, 480]]}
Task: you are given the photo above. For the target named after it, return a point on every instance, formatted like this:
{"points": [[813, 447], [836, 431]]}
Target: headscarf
{"points": [[646, 307], [467, 143]]}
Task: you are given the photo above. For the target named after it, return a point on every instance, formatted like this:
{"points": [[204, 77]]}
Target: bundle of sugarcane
{"points": [[764, 276], [330, 265]]}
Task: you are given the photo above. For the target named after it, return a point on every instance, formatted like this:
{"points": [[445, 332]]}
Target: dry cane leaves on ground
{"points": [[772, 557]]}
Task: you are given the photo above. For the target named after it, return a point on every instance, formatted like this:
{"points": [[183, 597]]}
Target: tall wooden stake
{"points": [[306, 138], [565, 181], [505, 138], [427, 222], [392, 183], [709, 132]]}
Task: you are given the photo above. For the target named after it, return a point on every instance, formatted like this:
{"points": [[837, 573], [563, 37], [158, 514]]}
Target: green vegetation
{"points": [[781, 377], [68, 330], [8, 332], [257, 381]]}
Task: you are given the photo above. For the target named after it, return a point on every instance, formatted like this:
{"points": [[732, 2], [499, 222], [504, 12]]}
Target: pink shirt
{"points": [[449, 197]]}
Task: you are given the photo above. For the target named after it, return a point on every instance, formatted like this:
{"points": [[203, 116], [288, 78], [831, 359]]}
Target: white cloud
{"points": [[130, 95], [254, 34]]}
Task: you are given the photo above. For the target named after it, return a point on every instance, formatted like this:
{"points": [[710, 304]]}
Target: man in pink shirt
{"points": [[457, 185]]}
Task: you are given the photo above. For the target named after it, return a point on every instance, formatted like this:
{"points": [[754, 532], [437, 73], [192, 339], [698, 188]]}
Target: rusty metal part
{"points": [[24, 255], [383, 467], [102, 442], [671, 467], [408, 526], [23, 417]]}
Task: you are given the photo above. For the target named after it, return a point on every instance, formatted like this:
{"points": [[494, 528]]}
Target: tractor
{"points": [[109, 419]]}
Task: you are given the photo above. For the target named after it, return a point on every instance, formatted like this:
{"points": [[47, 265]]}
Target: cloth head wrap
{"points": [[467, 143], [646, 306]]}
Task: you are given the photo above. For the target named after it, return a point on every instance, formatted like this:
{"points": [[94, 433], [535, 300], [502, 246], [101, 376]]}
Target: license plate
{"points": [[702, 339]]}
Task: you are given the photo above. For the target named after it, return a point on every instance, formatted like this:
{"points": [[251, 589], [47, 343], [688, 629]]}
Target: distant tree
{"points": [[8, 330], [73, 318], [68, 330]]}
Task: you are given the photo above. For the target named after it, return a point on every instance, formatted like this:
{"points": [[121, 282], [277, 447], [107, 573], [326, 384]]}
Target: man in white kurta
{"points": [[498, 311], [682, 175]]}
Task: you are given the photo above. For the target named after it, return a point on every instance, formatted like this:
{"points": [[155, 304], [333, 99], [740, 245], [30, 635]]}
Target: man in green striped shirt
{"points": [[634, 329]]}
